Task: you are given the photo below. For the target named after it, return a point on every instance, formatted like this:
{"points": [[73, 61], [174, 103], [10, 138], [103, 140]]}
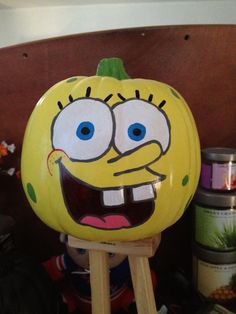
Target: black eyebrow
{"points": [[121, 97], [60, 105], [137, 94], [150, 97], [162, 103], [108, 97], [88, 91], [70, 98]]}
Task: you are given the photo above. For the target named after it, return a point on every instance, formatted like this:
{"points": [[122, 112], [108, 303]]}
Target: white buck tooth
{"points": [[143, 192], [113, 197]]}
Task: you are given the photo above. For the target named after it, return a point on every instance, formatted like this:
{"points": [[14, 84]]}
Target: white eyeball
{"points": [[83, 129], [139, 122]]}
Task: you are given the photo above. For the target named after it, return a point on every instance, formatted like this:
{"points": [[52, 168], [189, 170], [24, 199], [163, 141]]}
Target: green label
{"points": [[215, 228]]}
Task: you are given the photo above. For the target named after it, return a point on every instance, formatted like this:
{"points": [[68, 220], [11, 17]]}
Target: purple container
{"points": [[218, 170]]}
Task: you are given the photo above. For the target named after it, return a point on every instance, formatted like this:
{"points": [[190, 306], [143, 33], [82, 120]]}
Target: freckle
{"points": [[71, 80], [174, 93], [185, 180], [31, 192]]}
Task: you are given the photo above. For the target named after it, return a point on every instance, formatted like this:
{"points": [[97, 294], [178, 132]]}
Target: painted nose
{"points": [[138, 158]]}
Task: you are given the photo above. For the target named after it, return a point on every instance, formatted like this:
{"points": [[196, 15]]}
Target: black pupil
{"points": [[85, 130], [137, 132]]}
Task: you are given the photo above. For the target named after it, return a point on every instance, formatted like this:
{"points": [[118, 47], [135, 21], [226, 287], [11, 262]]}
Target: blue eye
{"points": [[85, 130], [137, 131]]}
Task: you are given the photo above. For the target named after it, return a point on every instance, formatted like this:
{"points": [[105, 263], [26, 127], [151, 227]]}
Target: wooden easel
{"points": [[138, 253]]}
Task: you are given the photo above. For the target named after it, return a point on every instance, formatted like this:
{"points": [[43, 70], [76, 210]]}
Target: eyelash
{"points": [[88, 92]]}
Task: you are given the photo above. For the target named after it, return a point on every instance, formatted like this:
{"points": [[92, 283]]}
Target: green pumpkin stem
{"points": [[112, 67]]}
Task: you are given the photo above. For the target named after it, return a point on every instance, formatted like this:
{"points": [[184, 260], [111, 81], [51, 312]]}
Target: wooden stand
{"points": [[138, 253]]}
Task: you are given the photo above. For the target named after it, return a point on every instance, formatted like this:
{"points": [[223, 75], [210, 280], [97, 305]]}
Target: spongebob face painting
{"points": [[108, 158]]}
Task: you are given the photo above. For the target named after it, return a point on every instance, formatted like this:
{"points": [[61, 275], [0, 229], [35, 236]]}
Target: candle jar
{"points": [[218, 169], [215, 220], [214, 274]]}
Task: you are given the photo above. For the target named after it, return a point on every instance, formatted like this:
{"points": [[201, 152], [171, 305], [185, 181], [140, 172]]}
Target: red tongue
{"points": [[106, 222]]}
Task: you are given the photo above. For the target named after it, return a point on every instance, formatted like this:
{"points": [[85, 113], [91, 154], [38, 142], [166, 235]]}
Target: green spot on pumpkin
{"points": [[185, 180], [174, 93], [31, 192], [70, 80]]}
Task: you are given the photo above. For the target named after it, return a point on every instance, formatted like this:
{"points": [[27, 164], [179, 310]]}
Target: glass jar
{"points": [[218, 169], [214, 274], [215, 220]]}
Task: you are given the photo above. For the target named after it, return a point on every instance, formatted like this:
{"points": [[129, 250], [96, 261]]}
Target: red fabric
{"points": [[84, 305], [52, 269], [73, 301]]}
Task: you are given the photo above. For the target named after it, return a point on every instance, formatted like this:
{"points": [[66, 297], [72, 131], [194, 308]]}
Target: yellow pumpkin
{"points": [[110, 158]]}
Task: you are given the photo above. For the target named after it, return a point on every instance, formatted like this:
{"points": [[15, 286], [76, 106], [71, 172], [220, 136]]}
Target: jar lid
{"points": [[215, 199], [214, 257], [219, 154]]}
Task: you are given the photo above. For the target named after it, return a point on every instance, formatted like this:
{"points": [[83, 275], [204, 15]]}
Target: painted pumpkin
{"points": [[111, 158]]}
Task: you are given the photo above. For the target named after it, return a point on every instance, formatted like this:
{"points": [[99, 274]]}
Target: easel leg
{"points": [[142, 284], [99, 280]]}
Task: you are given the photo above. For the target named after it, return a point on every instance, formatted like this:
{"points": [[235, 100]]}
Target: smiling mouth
{"points": [[109, 209]]}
